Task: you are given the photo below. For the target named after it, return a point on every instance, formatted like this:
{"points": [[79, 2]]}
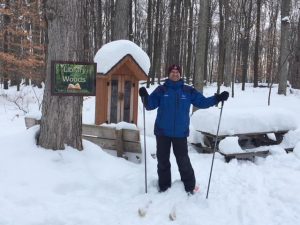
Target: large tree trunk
{"points": [[121, 20], [61, 122], [296, 62], [271, 39], [171, 35], [149, 41], [98, 26], [190, 42], [157, 42], [257, 41], [6, 21], [200, 62], [247, 10], [284, 46], [228, 44], [221, 63]]}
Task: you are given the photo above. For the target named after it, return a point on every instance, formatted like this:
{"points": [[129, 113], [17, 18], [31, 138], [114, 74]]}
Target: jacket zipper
{"points": [[176, 107]]}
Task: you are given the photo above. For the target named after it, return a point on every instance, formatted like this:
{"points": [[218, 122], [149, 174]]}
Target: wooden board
{"points": [[134, 147], [98, 131], [245, 155], [30, 122], [109, 132], [124, 140], [243, 134], [246, 141]]}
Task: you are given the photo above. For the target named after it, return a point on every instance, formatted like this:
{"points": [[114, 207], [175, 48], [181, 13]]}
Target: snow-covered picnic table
{"points": [[242, 128]]}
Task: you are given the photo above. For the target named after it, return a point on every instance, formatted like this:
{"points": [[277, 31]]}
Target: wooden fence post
{"points": [[119, 143]]}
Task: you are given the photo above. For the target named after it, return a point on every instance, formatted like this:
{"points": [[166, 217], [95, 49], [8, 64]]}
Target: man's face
{"points": [[174, 75]]}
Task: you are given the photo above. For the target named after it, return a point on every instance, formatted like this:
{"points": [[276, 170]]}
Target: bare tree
{"points": [[120, 28], [6, 21], [61, 122], [157, 40], [228, 44], [200, 62], [222, 44], [272, 41], [257, 43], [171, 55], [284, 46], [98, 26], [247, 24], [296, 62], [190, 40], [150, 38]]}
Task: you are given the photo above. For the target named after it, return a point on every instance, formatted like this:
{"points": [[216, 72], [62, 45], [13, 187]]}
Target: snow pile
{"points": [[244, 120], [297, 150], [291, 138], [111, 53], [91, 187], [34, 115], [286, 19], [230, 145], [121, 125]]}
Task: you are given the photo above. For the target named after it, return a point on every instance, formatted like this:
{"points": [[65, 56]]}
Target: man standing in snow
{"points": [[173, 100]]}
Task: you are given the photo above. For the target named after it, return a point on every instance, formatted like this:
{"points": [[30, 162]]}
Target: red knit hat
{"points": [[174, 67]]}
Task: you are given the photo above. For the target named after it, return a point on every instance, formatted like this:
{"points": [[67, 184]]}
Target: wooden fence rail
{"points": [[123, 140]]}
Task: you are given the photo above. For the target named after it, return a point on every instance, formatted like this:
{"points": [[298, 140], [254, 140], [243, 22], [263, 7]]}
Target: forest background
{"points": [[228, 42]]}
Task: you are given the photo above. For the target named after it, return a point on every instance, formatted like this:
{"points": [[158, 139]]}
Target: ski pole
{"points": [[215, 147], [145, 150]]}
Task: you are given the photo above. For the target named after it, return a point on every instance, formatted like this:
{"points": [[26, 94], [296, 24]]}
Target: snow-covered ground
{"points": [[91, 187]]}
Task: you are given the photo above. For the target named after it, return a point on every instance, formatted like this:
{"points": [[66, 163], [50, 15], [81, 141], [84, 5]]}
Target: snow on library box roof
{"points": [[111, 53], [244, 120]]}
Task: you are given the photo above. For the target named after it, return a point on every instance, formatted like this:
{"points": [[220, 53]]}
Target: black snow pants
{"points": [[183, 161]]}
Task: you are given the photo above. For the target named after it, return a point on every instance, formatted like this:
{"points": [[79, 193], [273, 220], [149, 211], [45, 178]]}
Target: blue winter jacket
{"points": [[173, 100]]}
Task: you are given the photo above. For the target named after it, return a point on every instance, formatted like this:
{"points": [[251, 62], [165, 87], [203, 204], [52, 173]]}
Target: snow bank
{"points": [[34, 115], [244, 120], [111, 53], [286, 19], [230, 145], [297, 150], [291, 138], [121, 125], [90, 187]]}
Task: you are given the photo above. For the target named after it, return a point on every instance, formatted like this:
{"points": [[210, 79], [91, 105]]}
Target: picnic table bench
{"points": [[252, 128], [247, 141]]}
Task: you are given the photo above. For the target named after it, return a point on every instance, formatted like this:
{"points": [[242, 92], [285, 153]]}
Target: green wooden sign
{"points": [[73, 78]]}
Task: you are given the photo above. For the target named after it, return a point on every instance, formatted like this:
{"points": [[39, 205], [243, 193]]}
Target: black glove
{"points": [[143, 92], [223, 96]]}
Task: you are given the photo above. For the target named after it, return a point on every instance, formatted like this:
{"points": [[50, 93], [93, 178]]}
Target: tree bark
{"points": [[257, 42], [222, 44], [228, 44], [296, 62], [6, 21], [149, 40], [61, 122], [190, 41], [200, 62], [121, 21], [171, 35], [284, 46], [157, 43], [271, 38], [247, 10], [98, 26]]}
